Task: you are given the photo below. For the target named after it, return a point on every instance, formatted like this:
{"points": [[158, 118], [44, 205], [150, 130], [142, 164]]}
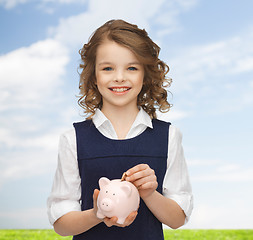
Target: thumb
{"points": [[95, 194], [95, 198]]}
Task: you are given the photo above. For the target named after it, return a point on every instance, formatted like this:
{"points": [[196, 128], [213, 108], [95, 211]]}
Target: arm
{"points": [[64, 210], [76, 222], [176, 184], [174, 207], [165, 210]]}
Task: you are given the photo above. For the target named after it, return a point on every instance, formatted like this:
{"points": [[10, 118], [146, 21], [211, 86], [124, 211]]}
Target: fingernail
{"points": [[127, 173]]}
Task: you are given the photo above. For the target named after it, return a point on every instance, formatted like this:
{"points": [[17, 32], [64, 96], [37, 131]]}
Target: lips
{"points": [[120, 89]]}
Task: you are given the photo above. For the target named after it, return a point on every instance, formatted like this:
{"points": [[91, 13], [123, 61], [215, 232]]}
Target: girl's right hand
{"points": [[113, 221], [95, 198], [109, 222]]}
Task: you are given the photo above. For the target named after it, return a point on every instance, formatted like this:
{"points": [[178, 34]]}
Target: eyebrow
{"points": [[104, 63], [131, 63]]}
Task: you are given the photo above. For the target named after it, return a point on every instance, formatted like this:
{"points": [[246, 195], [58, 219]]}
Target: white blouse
{"points": [[66, 190]]}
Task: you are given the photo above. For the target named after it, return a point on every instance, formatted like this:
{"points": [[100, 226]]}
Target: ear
{"points": [[126, 189], [103, 181]]}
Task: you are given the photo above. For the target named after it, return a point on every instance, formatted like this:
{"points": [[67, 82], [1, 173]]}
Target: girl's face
{"points": [[119, 75]]}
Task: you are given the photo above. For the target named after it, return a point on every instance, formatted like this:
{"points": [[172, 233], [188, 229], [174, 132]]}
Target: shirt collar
{"points": [[142, 118], [99, 118]]}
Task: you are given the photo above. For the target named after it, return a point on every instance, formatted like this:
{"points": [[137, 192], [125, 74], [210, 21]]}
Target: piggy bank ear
{"points": [[126, 189], [103, 181]]}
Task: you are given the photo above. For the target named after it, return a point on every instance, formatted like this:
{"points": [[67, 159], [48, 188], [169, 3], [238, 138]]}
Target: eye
{"points": [[107, 69], [132, 68], [106, 191]]}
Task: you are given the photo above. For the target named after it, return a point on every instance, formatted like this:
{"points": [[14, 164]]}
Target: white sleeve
{"points": [[176, 185], [66, 190]]}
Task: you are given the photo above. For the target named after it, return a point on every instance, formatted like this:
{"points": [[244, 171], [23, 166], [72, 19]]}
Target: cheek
{"points": [[101, 84], [140, 81], [102, 78], [99, 80], [97, 75]]}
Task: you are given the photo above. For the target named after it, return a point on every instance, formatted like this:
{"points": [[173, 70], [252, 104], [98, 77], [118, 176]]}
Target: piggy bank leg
{"points": [[121, 220], [100, 215]]}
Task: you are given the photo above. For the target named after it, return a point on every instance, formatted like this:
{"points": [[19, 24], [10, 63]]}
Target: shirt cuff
{"points": [[185, 201], [60, 208]]}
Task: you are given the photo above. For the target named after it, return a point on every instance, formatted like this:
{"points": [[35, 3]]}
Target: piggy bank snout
{"points": [[107, 204]]}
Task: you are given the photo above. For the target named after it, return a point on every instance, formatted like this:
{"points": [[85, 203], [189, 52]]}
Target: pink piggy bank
{"points": [[117, 198]]}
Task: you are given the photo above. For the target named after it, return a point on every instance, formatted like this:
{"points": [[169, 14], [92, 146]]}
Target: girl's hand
{"points": [[144, 178], [112, 221], [95, 198]]}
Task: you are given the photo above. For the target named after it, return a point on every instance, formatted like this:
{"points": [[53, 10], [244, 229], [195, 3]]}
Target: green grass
{"points": [[30, 235], [209, 234], [169, 234]]}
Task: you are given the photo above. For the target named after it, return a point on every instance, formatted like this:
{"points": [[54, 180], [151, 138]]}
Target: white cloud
{"points": [[74, 31], [27, 218], [30, 81], [11, 139], [225, 216], [173, 115], [64, 1], [187, 4], [242, 175], [203, 162], [167, 18], [218, 171], [215, 77], [223, 58], [29, 74], [8, 4], [12, 3], [27, 163], [228, 168]]}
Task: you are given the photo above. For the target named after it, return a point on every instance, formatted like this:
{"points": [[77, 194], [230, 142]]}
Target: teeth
{"points": [[119, 89]]}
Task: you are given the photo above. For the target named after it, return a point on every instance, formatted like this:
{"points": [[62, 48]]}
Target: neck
{"points": [[121, 118]]}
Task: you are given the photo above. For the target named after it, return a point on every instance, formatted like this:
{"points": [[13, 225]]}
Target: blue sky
{"points": [[208, 46]]}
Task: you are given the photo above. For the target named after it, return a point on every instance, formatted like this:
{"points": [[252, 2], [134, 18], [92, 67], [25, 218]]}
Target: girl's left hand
{"points": [[144, 178]]}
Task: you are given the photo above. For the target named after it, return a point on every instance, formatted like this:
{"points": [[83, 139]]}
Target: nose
{"points": [[119, 76], [106, 204]]}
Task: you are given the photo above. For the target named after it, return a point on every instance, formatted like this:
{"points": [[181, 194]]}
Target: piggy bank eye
{"points": [[106, 191], [113, 194]]}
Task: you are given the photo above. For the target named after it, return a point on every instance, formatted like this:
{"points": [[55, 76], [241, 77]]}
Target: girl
{"points": [[121, 84]]}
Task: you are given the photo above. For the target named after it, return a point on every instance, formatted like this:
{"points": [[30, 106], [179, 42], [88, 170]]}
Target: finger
{"points": [[129, 220], [137, 168], [95, 194], [110, 221], [148, 185], [139, 182], [95, 198], [141, 174]]}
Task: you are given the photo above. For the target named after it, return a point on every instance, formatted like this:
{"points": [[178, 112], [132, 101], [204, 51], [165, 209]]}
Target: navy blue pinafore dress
{"points": [[99, 156]]}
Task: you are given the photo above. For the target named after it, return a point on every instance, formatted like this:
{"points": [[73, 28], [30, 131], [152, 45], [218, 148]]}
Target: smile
{"points": [[119, 89]]}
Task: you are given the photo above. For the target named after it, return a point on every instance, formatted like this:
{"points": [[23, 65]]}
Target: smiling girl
{"points": [[122, 84]]}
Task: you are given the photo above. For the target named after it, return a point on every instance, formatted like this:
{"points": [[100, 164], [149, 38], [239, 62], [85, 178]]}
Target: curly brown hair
{"points": [[153, 94]]}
